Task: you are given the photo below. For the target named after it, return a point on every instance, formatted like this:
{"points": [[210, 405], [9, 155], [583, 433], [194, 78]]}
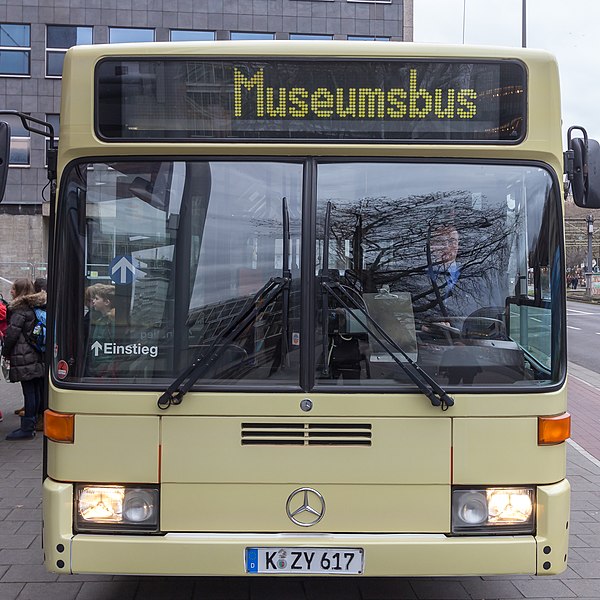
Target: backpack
{"points": [[3, 322], [37, 337]]}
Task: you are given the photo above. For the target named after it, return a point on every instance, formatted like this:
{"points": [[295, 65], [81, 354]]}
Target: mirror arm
{"points": [[51, 145]]}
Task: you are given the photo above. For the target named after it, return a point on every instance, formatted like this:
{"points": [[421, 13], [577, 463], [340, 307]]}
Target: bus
{"points": [[307, 312]]}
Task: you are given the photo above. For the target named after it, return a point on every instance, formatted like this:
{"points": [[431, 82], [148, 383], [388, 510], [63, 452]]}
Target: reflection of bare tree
{"points": [[383, 240]]}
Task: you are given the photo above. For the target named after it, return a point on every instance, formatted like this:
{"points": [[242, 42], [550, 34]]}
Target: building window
{"points": [[20, 142], [59, 38], [251, 35], [310, 36], [54, 120], [15, 49], [190, 35], [119, 35], [372, 1], [368, 38]]}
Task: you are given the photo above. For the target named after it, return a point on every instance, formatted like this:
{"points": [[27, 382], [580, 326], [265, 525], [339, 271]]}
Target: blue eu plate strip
{"points": [[251, 560]]}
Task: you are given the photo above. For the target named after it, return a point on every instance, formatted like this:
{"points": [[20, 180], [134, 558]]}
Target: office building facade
{"points": [[34, 37]]}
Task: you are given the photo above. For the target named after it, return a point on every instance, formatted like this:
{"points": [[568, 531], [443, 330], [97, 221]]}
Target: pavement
{"points": [[23, 577]]}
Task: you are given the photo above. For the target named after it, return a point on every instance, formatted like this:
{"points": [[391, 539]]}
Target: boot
{"points": [[21, 434], [25, 432]]}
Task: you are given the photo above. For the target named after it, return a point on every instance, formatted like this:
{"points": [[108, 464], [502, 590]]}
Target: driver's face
{"points": [[444, 245]]}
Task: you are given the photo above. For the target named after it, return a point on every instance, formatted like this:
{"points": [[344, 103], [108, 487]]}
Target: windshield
{"points": [[170, 254], [162, 262], [460, 264]]}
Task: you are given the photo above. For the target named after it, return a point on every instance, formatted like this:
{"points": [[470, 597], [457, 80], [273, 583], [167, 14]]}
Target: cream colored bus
{"points": [[308, 311]]}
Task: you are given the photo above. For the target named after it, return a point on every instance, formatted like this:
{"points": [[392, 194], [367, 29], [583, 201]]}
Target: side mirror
{"points": [[4, 155], [583, 169]]}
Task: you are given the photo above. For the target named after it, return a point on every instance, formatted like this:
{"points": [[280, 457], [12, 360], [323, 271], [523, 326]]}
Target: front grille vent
{"points": [[306, 434]]}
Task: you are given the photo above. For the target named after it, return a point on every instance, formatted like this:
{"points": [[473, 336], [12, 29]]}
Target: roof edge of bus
{"points": [[339, 49]]}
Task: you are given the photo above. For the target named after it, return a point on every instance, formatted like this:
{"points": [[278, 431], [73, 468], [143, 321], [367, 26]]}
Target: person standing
{"points": [[26, 363]]}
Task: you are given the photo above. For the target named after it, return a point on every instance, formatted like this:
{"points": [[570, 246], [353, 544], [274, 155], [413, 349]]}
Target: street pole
{"points": [[524, 24], [588, 276]]}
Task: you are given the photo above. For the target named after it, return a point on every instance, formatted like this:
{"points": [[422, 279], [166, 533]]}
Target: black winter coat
{"points": [[25, 361]]}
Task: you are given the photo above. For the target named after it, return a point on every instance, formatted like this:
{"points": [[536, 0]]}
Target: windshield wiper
{"points": [[426, 384], [286, 274], [181, 385]]}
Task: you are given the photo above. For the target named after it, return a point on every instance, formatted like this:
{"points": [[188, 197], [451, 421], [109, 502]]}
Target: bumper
{"points": [[385, 554]]}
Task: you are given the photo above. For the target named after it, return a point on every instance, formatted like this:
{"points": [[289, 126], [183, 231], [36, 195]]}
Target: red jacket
{"points": [[3, 323]]}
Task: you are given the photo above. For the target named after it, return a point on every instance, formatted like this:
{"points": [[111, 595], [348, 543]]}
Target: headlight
{"points": [[116, 508], [493, 510]]}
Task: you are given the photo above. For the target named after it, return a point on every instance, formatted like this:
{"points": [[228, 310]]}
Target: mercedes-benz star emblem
{"points": [[305, 507]]}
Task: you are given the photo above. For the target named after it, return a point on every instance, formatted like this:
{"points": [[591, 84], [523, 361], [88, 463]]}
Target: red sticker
{"points": [[62, 369]]}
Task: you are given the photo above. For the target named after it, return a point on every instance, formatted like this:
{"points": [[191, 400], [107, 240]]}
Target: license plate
{"points": [[328, 561]]}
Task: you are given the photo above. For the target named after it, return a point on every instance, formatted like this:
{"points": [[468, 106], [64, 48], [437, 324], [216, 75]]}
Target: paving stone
{"points": [[584, 528], [386, 589], [588, 588], [24, 514], [27, 573], [43, 591], [9, 527], [591, 540], [490, 590], [163, 589], [274, 589], [568, 573], [222, 588], [15, 541], [21, 502], [579, 483], [589, 554], [544, 588], [582, 516], [10, 591], [31, 528], [439, 590], [587, 570], [29, 556], [333, 589], [117, 590]]}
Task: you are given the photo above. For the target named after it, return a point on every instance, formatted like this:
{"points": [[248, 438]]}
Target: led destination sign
{"points": [[256, 99]]}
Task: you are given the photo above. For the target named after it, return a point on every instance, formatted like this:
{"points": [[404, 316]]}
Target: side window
{"points": [[15, 49], [59, 38], [190, 35], [246, 35], [118, 35]]}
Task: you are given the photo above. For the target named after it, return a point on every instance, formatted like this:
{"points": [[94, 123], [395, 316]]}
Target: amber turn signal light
{"points": [[59, 427], [554, 430]]}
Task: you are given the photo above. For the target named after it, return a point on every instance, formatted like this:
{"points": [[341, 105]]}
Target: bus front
{"points": [[309, 313]]}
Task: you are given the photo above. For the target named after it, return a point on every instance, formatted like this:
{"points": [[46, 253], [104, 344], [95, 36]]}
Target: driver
{"points": [[445, 289]]}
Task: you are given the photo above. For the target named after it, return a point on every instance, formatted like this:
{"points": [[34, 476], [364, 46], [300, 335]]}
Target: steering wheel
{"points": [[486, 324], [441, 325]]}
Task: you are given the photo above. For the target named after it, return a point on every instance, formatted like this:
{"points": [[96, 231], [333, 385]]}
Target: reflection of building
{"points": [[576, 236], [149, 292], [33, 43]]}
